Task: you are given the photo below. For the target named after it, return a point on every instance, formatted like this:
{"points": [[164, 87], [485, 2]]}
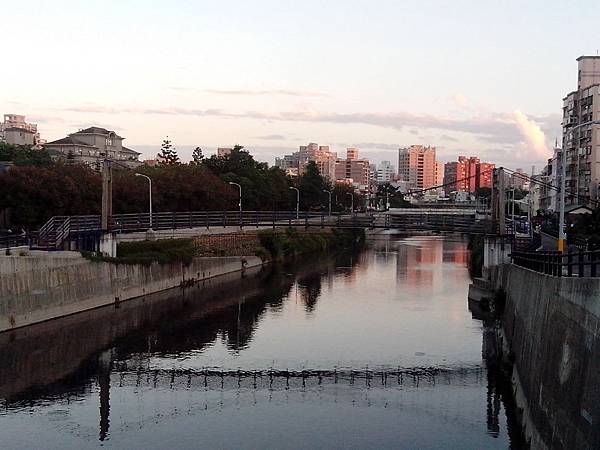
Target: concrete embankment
{"points": [[41, 287], [551, 333]]}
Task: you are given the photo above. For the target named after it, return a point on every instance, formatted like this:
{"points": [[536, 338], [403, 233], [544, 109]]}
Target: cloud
{"points": [[494, 128], [271, 137], [445, 137], [289, 92], [461, 101], [535, 139]]}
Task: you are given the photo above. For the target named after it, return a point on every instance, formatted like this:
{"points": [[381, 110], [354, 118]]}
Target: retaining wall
{"points": [[551, 327], [34, 289]]}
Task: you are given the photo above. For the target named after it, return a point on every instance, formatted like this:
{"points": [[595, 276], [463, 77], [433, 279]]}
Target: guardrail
{"points": [[570, 264]]}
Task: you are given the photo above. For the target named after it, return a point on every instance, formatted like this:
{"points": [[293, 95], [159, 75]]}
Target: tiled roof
{"points": [[97, 130], [128, 150], [69, 140]]}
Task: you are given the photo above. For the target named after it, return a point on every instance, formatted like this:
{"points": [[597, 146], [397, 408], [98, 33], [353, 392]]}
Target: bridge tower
{"points": [[499, 200]]}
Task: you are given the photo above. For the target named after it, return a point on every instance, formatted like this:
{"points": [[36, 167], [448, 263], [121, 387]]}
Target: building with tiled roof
{"points": [[91, 146]]}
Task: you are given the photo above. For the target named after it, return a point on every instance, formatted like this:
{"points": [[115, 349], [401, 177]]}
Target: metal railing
{"points": [[570, 264]]}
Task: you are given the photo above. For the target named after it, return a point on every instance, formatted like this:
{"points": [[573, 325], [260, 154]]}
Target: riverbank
{"points": [[40, 286], [550, 340]]}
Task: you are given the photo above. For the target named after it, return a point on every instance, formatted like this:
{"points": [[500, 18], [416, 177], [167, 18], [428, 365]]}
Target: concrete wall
{"points": [[34, 289], [551, 327]]}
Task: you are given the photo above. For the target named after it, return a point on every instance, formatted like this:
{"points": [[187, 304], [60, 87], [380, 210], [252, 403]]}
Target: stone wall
{"points": [[34, 289], [551, 328]]}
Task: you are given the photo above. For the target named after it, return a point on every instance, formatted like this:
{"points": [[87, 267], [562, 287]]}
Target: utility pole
{"points": [[501, 202], [561, 218], [107, 210]]}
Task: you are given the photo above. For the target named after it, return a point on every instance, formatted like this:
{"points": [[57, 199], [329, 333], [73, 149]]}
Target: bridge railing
{"points": [[570, 264]]}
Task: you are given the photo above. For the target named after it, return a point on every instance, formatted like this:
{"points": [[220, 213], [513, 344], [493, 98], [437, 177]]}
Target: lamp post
{"points": [[240, 200], [149, 195], [561, 214], [328, 192], [297, 201], [352, 202]]}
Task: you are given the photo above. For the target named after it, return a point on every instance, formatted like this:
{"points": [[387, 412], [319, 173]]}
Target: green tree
{"points": [[311, 185], [168, 155], [197, 156]]}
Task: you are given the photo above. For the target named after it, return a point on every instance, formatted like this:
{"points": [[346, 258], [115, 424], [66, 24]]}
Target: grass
{"points": [[290, 243], [162, 251]]}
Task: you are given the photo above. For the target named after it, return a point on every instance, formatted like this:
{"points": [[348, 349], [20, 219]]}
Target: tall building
{"points": [[15, 130], [581, 133], [417, 166], [222, 152], [467, 175], [353, 170], [320, 154], [385, 172], [92, 146]]}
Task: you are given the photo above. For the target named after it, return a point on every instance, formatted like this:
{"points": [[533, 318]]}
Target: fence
{"points": [[558, 264]]}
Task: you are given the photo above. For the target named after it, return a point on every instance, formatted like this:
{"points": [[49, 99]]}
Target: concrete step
{"points": [[478, 294], [482, 283]]}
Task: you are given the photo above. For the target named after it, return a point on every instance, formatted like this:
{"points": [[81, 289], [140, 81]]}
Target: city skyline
{"points": [[214, 75]]}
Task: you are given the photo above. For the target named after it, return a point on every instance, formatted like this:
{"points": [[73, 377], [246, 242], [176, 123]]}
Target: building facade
{"points": [[467, 175], [92, 146], [581, 134], [385, 173], [323, 157], [16, 130], [353, 170], [417, 165]]}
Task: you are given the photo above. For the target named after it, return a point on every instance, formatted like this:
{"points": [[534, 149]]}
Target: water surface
{"points": [[375, 349]]}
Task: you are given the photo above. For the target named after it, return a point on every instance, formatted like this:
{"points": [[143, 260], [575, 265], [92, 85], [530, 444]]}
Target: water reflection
{"points": [[379, 345]]}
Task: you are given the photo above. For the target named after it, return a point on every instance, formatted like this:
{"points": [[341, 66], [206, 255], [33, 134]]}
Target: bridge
{"points": [[84, 232]]}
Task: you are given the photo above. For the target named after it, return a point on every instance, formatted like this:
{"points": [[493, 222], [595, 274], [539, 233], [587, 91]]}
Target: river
{"points": [[369, 349]]}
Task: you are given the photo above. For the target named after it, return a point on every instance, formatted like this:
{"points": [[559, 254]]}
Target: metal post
{"points": [[352, 203], [149, 195], [561, 217], [106, 193], [329, 192], [297, 201], [240, 200]]}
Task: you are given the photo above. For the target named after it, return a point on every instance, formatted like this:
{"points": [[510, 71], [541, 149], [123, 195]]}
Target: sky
{"points": [[469, 77]]}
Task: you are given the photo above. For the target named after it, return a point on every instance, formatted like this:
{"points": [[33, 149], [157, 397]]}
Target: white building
{"points": [[385, 172], [15, 130], [581, 133], [92, 146]]}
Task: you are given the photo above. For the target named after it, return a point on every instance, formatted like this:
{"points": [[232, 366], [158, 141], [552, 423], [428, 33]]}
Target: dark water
{"points": [[369, 350]]}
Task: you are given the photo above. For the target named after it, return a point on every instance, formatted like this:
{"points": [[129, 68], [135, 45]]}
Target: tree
{"points": [[197, 156], [168, 155], [312, 185], [70, 157]]}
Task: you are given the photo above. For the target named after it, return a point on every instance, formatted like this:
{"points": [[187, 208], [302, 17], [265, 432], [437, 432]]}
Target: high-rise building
{"points": [[320, 154], [581, 133], [417, 166], [353, 170], [467, 175], [385, 172]]}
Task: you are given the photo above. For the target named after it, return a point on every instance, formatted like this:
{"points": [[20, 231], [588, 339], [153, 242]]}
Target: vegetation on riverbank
{"points": [[267, 245], [291, 243], [145, 253]]}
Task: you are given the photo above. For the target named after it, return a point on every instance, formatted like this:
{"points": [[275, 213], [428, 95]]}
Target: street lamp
{"points": [[240, 200], [352, 202], [328, 192], [297, 201], [149, 194]]}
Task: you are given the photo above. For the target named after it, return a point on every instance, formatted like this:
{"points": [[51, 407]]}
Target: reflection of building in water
{"points": [[414, 263]]}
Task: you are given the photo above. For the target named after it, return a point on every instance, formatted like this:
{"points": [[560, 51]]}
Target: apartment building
{"points": [[296, 162], [581, 134], [17, 131], [417, 165], [353, 170], [467, 175], [385, 173], [91, 146]]}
